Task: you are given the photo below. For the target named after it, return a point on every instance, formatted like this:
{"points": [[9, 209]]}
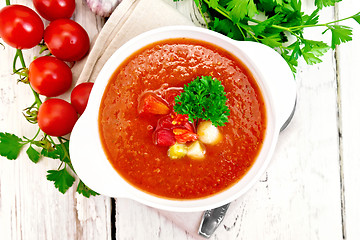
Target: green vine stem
{"points": [[19, 56]]}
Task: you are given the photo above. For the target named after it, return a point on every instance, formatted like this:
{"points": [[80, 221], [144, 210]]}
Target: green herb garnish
{"points": [[61, 178], [10, 145], [238, 19], [204, 98]]}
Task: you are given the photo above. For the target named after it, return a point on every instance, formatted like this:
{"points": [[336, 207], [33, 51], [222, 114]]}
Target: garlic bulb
{"points": [[103, 7]]}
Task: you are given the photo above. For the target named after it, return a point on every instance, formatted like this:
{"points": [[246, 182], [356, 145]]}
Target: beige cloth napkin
{"points": [[131, 18]]}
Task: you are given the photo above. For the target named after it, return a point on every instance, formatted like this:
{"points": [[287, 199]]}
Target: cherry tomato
{"points": [[20, 26], [54, 9], [80, 96], [56, 117], [67, 40], [49, 76]]}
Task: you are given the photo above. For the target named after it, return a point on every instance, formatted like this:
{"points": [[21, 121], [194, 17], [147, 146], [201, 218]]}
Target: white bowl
{"points": [[275, 81]]}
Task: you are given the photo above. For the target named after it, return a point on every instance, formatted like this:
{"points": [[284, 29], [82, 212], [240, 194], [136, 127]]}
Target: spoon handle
{"points": [[211, 220]]}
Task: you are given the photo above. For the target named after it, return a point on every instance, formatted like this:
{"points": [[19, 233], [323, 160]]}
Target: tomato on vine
{"points": [[56, 117], [80, 96], [54, 9], [49, 76], [20, 26], [67, 40]]}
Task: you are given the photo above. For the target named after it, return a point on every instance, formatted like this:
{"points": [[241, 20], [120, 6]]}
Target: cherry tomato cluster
{"points": [[22, 28]]}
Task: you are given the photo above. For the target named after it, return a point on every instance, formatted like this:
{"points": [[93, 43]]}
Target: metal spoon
{"points": [[212, 218]]}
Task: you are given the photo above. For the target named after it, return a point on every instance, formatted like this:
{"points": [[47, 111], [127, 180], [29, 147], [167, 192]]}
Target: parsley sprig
{"points": [[204, 98], [238, 19]]}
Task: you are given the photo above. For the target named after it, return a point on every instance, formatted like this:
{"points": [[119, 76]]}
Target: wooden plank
{"points": [[349, 85], [137, 221], [30, 206]]}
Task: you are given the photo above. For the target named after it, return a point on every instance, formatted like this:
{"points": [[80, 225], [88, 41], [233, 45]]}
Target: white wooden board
{"points": [[310, 191]]}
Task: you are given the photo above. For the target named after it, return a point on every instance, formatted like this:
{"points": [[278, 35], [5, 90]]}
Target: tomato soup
{"points": [[163, 68]]}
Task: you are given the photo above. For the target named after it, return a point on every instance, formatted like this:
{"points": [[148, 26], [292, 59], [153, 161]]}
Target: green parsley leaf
{"points": [[10, 145], [226, 27], [63, 151], [264, 27], [318, 48], [340, 34], [214, 3], [85, 190], [356, 17], [325, 3], [310, 58], [61, 178], [291, 59], [54, 154], [33, 155], [311, 19], [295, 50], [268, 5], [238, 9], [296, 5], [204, 98], [273, 40], [197, 3]]}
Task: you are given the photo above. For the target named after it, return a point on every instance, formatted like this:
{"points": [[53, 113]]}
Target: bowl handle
{"points": [[278, 78], [90, 162]]}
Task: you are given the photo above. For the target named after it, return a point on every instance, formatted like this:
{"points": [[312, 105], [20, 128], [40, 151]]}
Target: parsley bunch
{"points": [[238, 19], [204, 98]]}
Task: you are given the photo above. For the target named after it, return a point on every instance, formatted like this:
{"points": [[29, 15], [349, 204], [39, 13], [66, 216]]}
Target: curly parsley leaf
{"points": [[85, 190], [33, 155], [10, 145], [204, 98], [61, 178]]}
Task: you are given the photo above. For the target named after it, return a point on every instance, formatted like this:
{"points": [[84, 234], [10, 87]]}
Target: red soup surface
{"points": [[162, 69]]}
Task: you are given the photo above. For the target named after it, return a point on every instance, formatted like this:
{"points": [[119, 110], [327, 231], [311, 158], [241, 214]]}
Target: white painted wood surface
{"points": [[310, 191]]}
